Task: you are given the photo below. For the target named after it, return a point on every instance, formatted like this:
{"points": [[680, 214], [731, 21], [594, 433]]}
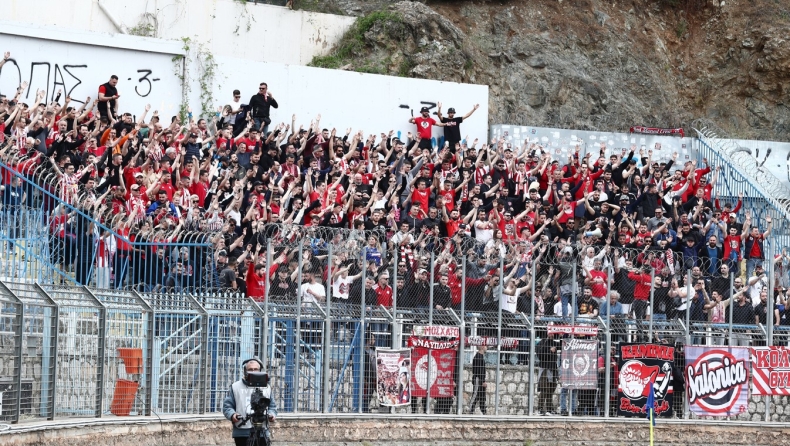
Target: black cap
{"points": [[424, 109], [450, 110], [193, 135], [222, 253]]}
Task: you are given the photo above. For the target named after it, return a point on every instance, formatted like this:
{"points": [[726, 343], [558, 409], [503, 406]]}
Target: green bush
{"points": [[352, 44]]}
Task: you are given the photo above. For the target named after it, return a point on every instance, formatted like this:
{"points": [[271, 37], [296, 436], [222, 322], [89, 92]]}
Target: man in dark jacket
{"points": [[479, 380], [547, 350], [260, 105]]}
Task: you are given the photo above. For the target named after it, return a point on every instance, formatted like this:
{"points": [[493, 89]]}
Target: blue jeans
{"points": [[564, 397], [265, 121], [750, 265], [565, 299]]}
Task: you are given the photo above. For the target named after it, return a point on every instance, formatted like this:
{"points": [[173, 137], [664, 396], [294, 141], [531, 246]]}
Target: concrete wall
{"points": [[397, 430], [228, 27]]}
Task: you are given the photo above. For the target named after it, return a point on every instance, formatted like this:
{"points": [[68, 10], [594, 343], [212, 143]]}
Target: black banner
{"points": [[643, 365]]}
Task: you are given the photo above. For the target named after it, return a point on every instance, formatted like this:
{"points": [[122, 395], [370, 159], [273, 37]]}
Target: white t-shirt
{"points": [[482, 234], [341, 287], [316, 288], [508, 302], [756, 289]]}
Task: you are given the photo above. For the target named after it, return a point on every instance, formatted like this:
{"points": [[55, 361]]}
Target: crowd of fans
{"points": [[193, 203]]}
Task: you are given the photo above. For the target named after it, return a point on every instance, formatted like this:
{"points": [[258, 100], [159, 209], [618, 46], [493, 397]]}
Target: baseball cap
{"points": [[424, 109], [222, 253], [451, 110]]}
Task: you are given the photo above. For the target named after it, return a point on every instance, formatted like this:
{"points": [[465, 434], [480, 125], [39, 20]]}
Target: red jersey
{"points": [[421, 197], [383, 295]]}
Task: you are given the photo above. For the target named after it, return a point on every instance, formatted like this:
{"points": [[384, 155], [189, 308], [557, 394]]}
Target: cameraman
{"points": [[237, 404]]}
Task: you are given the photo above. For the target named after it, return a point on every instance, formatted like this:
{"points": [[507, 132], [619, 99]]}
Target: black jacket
{"points": [[479, 368], [260, 105]]}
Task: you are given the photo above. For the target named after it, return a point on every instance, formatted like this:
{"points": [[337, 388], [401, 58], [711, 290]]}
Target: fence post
{"points": [[265, 320], [19, 321], [327, 344], [102, 349], [393, 327], [459, 390], [769, 257], [498, 335], [731, 305], [652, 304], [149, 346], [362, 340], [298, 331], [689, 290], [569, 392], [608, 353], [531, 382], [430, 297]]}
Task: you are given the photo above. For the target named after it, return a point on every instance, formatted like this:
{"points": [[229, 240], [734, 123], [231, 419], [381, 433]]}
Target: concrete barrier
{"points": [[395, 430]]}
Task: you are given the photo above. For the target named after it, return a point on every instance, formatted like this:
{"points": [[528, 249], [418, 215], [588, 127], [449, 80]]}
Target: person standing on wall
{"points": [[452, 129], [260, 106], [108, 98], [425, 125], [479, 380]]}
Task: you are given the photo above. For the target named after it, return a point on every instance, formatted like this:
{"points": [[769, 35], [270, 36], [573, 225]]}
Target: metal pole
{"points": [[532, 343], [499, 335], [652, 303], [769, 257], [608, 353], [362, 337], [573, 324], [431, 270], [731, 303], [265, 321], [689, 290], [298, 330], [393, 329], [459, 397], [327, 337]]}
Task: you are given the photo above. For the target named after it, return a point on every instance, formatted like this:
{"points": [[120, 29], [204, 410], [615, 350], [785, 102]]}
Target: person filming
{"points": [[243, 402]]}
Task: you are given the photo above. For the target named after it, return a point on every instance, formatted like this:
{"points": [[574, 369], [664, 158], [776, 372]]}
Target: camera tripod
{"points": [[259, 435]]}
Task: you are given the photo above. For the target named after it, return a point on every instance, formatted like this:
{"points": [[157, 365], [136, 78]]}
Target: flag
{"points": [[651, 403]]}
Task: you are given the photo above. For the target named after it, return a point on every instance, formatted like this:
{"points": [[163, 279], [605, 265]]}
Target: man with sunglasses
{"points": [[260, 107]]}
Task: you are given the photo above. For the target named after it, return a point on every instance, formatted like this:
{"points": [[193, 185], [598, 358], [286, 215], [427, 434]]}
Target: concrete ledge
{"points": [[395, 430]]}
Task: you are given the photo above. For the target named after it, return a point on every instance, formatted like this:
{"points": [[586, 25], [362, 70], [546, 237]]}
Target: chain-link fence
{"points": [[557, 324]]}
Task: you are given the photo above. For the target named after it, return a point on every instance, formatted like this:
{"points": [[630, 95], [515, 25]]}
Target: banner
{"points": [[576, 330], [770, 370], [657, 131], [441, 366], [414, 341], [490, 341], [579, 364], [441, 331], [393, 377], [717, 380], [641, 365]]}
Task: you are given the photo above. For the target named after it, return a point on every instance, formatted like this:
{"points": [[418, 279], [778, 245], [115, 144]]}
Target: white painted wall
{"points": [[368, 102], [50, 60], [227, 27]]}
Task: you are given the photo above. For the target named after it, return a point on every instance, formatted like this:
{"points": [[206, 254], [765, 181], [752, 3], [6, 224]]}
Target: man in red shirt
{"points": [[425, 125], [597, 281], [641, 291]]}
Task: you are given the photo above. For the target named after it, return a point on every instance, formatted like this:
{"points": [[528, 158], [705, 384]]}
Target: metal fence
{"points": [[76, 351]]}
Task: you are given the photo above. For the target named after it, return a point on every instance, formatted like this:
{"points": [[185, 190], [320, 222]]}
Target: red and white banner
{"points": [[434, 369], [717, 380], [475, 341], [657, 131], [579, 364], [393, 376], [440, 331], [576, 330], [770, 370], [414, 341]]}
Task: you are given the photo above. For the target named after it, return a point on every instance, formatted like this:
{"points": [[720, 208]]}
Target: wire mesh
{"points": [[39, 346]]}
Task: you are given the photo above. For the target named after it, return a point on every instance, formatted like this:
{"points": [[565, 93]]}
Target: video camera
{"points": [[258, 403]]}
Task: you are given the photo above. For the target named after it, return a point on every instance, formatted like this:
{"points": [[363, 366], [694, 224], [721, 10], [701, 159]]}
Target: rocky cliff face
{"points": [[590, 64]]}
